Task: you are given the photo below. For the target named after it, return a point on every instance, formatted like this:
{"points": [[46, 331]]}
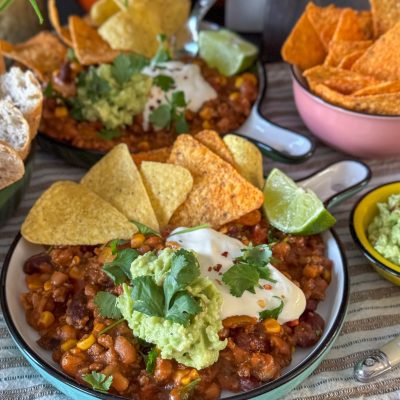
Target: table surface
{"points": [[373, 317]]}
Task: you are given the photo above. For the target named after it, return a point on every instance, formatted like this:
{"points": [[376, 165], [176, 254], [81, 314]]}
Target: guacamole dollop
{"points": [[101, 98], [384, 230], [196, 345]]}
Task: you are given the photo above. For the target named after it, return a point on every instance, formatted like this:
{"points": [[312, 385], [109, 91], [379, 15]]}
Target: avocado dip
{"points": [[384, 230]]}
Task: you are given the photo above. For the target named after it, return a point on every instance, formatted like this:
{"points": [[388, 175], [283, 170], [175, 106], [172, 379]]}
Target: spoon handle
{"points": [[199, 11]]}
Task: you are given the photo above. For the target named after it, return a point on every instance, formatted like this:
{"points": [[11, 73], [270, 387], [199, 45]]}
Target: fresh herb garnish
{"points": [[125, 66], [187, 390], [113, 244], [96, 86], [48, 92], [109, 327], [171, 112], [99, 381], [145, 230], [151, 359], [163, 52], [71, 56], [274, 312], [194, 228], [248, 269], [119, 269], [107, 305], [164, 82], [109, 134], [171, 301]]}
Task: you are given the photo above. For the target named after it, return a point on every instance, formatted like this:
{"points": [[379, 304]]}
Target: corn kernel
{"points": [[47, 286], [46, 319], [239, 81], [234, 96], [75, 273], [206, 113], [137, 240], [98, 327], [85, 343], [250, 77], [206, 125], [191, 376], [61, 112], [34, 282], [68, 345], [271, 326], [75, 260]]}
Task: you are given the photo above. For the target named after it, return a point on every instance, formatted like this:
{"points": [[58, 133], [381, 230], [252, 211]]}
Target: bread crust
{"points": [[12, 167]]}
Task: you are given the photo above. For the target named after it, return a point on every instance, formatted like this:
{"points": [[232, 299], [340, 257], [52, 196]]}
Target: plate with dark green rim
{"points": [[11, 196]]}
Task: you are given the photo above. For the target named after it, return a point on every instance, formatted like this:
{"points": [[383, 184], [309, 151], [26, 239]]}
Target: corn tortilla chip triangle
{"points": [[116, 179], [303, 47], [385, 14], [348, 61], [382, 59], [69, 214], [89, 46], [102, 10], [213, 141], [43, 54], [159, 155], [380, 88], [167, 185], [219, 195], [339, 49], [348, 27], [366, 24], [63, 32], [248, 159]]}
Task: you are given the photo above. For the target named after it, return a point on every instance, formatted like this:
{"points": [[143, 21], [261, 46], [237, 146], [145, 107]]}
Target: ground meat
{"points": [[76, 313]]}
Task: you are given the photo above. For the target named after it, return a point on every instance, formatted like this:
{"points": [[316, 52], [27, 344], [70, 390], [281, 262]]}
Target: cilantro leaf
{"points": [[161, 116], [183, 308], [274, 312], [178, 99], [96, 87], [75, 109], [164, 82], [187, 390], [151, 359], [163, 53], [119, 269], [99, 382], [181, 125], [106, 303], [184, 270], [109, 134], [241, 277], [48, 92], [125, 66], [113, 244], [145, 230], [148, 296], [256, 255]]}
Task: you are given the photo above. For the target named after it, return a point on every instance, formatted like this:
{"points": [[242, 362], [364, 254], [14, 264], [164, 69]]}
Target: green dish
{"points": [[11, 196]]}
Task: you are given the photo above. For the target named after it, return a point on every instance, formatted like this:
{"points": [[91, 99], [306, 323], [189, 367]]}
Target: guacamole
{"points": [[101, 98], [196, 345], [384, 231]]}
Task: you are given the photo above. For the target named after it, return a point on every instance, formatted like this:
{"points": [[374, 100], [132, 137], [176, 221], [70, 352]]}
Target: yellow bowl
{"points": [[362, 215]]}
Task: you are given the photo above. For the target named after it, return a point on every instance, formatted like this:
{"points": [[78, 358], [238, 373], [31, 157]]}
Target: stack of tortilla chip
{"points": [[350, 58], [199, 184]]}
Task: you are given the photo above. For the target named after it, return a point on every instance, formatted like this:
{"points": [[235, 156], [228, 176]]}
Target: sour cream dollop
{"points": [[188, 79], [216, 252]]}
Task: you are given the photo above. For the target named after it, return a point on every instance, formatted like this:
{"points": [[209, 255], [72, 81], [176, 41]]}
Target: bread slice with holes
{"points": [[11, 166], [14, 129], [24, 91]]}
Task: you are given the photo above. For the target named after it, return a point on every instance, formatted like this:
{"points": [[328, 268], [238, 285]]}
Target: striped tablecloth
{"points": [[373, 317]]}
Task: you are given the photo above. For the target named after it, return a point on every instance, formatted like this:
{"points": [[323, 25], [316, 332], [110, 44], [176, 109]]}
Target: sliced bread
{"points": [[11, 165], [14, 130], [23, 89]]}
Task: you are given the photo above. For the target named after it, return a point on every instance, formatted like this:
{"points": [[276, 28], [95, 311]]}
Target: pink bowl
{"points": [[355, 133]]}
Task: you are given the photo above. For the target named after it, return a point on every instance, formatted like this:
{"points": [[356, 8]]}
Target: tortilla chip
{"points": [[366, 24], [382, 59], [63, 32], [102, 10], [385, 14], [348, 27], [70, 214], [348, 61], [43, 54], [116, 179], [134, 29], [158, 155], [341, 80], [341, 48], [167, 185], [248, 159], [89, 46], [213, 141], [380, 88], [303, 47], [324, 20], [383, 104], [219, 195]]}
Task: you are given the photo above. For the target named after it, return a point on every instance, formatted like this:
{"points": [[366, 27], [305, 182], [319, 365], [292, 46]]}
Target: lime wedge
{"points": [[292, 209], [226, 51]]}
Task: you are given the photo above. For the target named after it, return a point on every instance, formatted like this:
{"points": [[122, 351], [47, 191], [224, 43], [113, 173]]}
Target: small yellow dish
{"points": [[362, 215]]}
